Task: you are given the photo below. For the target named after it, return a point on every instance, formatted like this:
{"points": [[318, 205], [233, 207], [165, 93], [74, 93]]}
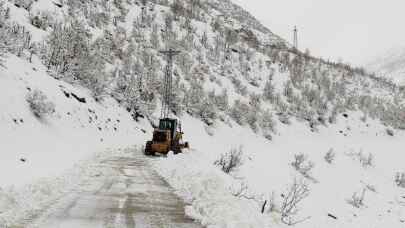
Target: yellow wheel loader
{"points": [[167, 137]]}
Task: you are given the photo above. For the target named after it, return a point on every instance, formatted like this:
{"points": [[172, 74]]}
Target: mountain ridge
{"points": [[390, 64]]}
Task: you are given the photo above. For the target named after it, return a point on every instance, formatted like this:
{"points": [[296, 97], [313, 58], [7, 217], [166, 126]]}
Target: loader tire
{"points": [[177, 149], [148, 149]]}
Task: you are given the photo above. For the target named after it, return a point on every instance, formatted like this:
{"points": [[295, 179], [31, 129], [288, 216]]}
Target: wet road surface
{"points": [[125, 193]]}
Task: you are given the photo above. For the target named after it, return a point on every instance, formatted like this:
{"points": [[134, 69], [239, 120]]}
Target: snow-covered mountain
{"points": [[390, 64], [78, 77]]}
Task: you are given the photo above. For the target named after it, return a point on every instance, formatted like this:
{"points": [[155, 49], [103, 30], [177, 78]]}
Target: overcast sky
{"points": [[354, 30]]}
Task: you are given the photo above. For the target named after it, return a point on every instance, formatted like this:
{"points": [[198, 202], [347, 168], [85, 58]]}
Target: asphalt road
{"points": [[125, 193]]}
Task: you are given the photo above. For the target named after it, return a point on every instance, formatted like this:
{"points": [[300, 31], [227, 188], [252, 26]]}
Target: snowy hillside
{"points": [[390, 65], [313, 143]]}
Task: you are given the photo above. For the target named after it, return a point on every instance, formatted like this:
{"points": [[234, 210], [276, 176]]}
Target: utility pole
{"points": [[143, 12], [295, 42], [167, 93]]}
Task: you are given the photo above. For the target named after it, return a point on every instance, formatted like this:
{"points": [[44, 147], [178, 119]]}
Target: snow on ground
{"points": [[207, 189], [267, 170]]}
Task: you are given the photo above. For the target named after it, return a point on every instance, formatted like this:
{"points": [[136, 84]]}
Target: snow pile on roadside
{"points": [[24, 203], [208, 190]]}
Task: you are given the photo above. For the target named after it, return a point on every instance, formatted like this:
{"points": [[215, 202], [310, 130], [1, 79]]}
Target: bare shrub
{"points": [[242, 191], [330, 156], [400, 179], [39, 104], [357, 200], [297, 192], [302, 164], [231, 160]]}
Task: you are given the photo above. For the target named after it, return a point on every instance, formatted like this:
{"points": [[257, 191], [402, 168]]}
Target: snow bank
{"points": [[208, 191]]}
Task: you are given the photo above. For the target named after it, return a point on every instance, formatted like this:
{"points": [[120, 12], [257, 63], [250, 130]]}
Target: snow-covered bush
{"points": [[267, 124], [4, 16], [357, 200], [178, 9], [400, 179], [268, 91], [302, 164], [26, 4], [297, 192], [2, 48], [239, 112], [68, 51], [222, 100], [230, 160], [366, 160], [199, 104], [41, 19], [330, 156], [207, 111], [39, 104], [239, 87]]}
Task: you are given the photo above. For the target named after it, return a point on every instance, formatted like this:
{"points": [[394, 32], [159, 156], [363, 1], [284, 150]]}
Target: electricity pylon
{"points": [[295, 37], [168, 80]]}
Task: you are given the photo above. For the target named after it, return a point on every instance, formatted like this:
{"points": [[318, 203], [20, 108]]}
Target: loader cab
{"points": [[161, 136], [168, 124]]}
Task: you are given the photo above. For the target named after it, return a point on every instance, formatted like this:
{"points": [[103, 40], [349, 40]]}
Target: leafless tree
{"points": [[297, 192]]}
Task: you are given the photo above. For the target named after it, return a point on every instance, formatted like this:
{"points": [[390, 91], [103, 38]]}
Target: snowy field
{"points": [[267, 171]]}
